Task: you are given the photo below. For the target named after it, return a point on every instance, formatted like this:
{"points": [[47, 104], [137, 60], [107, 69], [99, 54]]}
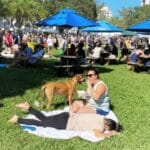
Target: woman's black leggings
{"points": [[58, 121]]}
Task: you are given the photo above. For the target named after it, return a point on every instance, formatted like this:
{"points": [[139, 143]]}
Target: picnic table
{"points": [[146, 61], [92, 60], [141, 63], [100, 59], [69, 60], [69, 65]]}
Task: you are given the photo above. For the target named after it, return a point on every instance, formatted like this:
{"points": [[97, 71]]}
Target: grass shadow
{"points": [[60, 105], [103, 69], [1, 105], [112, 107], [15, 81]]}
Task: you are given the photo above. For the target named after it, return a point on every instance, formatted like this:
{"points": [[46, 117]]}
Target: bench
{"points": [[133, 66], [64, 69], [85, 65], [71, 66], [138, 67], [110, 60], [63, 66], [93, 60], [82, 68], [148, 68], [70, 69], [2, 59]]}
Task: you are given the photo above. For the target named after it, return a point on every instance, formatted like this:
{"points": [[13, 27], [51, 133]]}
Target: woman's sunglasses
{"points": [[90, 75]]}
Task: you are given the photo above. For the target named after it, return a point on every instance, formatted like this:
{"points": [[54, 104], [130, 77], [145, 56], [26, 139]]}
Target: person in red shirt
{"points": [[8, 39]]}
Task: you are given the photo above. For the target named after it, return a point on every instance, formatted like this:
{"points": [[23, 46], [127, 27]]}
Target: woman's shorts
{"points": [[101, 112]]}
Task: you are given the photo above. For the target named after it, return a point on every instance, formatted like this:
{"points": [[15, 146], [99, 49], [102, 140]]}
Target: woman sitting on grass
{"points": [[102, 127], [96, 99]]}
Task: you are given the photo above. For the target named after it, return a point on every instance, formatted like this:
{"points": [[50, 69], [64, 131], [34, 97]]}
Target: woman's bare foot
{"points": [[25, 106], [14, 119]]}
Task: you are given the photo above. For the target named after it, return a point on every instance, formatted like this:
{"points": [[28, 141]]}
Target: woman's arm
{"points": [[99, 134], [96, 94]]}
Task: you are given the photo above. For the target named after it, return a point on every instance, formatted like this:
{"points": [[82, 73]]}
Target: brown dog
{"points": [[66, 89]]}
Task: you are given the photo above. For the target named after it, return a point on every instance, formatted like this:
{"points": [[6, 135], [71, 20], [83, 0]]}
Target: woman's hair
{"points": [[113, 125], [94, 70]]}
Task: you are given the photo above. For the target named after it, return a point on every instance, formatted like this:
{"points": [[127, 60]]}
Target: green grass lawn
{"points": [[130, 100]]}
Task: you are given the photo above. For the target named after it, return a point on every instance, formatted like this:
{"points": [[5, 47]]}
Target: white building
{"points": [[145, 2], [107, 12]]}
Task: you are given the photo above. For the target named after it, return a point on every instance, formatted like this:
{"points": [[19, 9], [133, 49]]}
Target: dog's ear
{"points": [[78, 76]]}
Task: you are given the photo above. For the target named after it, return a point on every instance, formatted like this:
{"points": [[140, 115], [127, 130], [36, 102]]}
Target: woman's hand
{"points": [[88, 84], [89, 87], [96, 94], [113, 132], [98, 133]]}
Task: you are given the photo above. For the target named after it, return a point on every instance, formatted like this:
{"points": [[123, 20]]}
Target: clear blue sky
{"points": [[116, 5]]}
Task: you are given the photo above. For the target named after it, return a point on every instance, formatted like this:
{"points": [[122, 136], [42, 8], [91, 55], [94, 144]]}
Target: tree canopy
{"points": [[130, 16], [29, 11], [25, 11]]}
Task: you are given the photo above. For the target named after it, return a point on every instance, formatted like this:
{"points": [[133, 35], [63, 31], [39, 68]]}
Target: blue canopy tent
{"points": [[141, 27], [66, 17], [103, 26]]}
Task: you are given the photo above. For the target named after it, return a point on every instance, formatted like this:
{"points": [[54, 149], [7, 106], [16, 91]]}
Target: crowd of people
{"points": [[75, 45]]}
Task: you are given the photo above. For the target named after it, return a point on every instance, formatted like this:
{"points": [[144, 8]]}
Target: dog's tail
{"points": [[42, 92], [42, 95]]}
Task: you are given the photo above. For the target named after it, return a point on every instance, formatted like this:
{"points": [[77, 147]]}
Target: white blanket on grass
{"points": [[49, 132]]}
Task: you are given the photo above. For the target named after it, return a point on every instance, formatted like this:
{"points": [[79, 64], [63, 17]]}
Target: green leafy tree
{"points": [[128, 16], [134, 15], [25, 11], [142, 13], [86, 8], [117, 22], [4, 10]]}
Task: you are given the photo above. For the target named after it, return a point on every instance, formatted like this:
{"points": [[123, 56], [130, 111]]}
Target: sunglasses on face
{"points": [[90, 75]]}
